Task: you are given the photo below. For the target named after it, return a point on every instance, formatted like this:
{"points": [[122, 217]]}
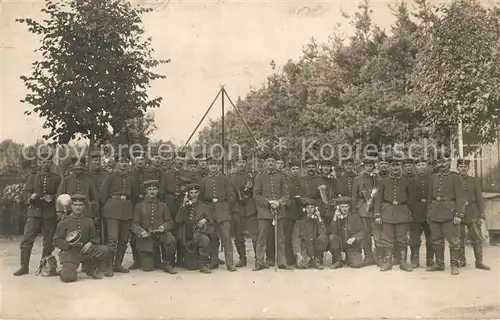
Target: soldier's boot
{"points": [[168, 268], [367, 249], [337, 261], [462, 260], [204, 265], [110, 266], [99, 269], [46, 252], [395, 256], [478, 254], [285, 267], [455, 261], [379, 256], [429, 255], [439, 264], [240, 248], [415, 256], [25, 262], [316, 264], [387, 260], [403, 265], [95, 272], [242, 262], [120, 254]]}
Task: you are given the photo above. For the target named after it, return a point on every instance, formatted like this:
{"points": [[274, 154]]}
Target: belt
{"points": [[395, 203], [119, 196], [214, 200], [443, 199]]}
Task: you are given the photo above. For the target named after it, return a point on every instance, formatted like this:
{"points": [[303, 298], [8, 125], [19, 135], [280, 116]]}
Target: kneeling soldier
{"points": [[346, 234], [78, 240], [153, 226], [193, 219], [309, 239]]}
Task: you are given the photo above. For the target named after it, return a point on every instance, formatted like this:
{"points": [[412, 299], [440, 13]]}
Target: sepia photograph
{"points": [[244, 159]]}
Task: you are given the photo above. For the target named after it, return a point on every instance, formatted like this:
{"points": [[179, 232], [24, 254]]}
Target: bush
{"points": [[12, 210]]}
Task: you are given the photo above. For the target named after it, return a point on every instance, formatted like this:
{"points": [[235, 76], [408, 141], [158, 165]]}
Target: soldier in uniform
{"points": [[40, 190], [346, 233], [447, 200], [474, 216], [419, 186], [79, 182], [193, 232], [293, 211], [383, 164], [346, 178], [83, 247], [118, 193], [153, 226], [271, 195], [309, 238], [217, 193], [202, 165], [98, 174], [193, 172], [392, 211], [363, 189], [329, 177], [245, 211], [310, 182]]}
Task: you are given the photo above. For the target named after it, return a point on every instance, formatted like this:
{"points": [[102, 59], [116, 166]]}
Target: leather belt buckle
{"points": [[438, 198], [123, 198], [214, 200], [177, 194], [395, 203], [423, 200]]}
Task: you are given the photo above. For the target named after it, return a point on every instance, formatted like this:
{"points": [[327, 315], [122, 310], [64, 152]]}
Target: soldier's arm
{"points": [[296, 239], [94, 195], [93, 235], [29, 187], [378, 198], [137, 229], [461, 196], [168, 223], [285, 195], [321, 228], [180, 216], [430, 191], [410, 194], [479, 198], [106, 185], [57, 183], [60, 236], [355, 192], [62, 187], [257, 192], [231, 199]]}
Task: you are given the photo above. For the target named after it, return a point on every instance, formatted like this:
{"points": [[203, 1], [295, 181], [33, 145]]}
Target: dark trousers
{"points": [[240, 225], [69, 270], [33, 227], [270, 247], [471, 230], [265, 225], [449, 231], [352, 252], [118, 234], [223, 230], [367, 244], [395, 233], [288, 225], [167, 245]]}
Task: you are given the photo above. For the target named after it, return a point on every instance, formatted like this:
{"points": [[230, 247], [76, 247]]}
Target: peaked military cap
{"points": [[201, 157], [343, 200], [122, 157], [151, 183], [78, 197], [368, 160], [307, 202], [326, 162], [395, 159], [212, 160], [408, 160], [271, 155], [294, 163], [348, 160], [180, 155], [465, 162], [241, 157], [75, 159], [95, 154], [45, 155], [421, 160], [310, 161], [193, 186], [192, 161]]}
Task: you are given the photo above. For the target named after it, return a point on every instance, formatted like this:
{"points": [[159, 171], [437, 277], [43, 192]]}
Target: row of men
{"points": [[388, 205]]}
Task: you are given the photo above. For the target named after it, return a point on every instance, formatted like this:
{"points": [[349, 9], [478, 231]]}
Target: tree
{"points": [[95, 69], [135, 131], [457, 74]]}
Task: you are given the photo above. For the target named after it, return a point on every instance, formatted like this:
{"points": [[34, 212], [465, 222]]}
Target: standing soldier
{"points": [[202, 165], [271, 195], [383, 165], [119, 194], [346, 234], [346, 178], [474, 216], [363, 192], [153, 226], [329, 177], [309, 239], [79, 182], [98, 174], [293, 211], [245, 212], [193, 221], [447, 200], [419, 186], [40, 190], [78, 240], [392, 211], [217, 193], [193, 171]]}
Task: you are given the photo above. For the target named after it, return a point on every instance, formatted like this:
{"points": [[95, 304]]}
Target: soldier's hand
{"points": [[48, 198], [33, 196], [144, 234], [481, 221], [299, 257], [378, 220], [78, 244], [457, 220], [161, 228], [202, 222], [350, 241]]}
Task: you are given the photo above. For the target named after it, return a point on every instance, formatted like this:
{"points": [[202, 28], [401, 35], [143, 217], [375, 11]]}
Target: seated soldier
{"points": [[153, 226], [78, 240], [309, 239], [194, 228], [346, 234]]}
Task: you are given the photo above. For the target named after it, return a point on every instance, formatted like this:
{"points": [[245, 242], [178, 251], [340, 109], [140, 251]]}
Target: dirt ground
{"points": [[313, 294]]}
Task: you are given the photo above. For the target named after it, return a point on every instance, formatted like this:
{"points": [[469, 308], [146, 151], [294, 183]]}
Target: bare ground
{"points": [[344, 293]]}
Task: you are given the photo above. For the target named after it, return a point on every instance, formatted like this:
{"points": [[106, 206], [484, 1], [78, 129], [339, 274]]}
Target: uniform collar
{"points": [[399, 176], [214, 175]]}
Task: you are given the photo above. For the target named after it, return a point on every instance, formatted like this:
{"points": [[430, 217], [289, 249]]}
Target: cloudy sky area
{"points": [[209, 43]]}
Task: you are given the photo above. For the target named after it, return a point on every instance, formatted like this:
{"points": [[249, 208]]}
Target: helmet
{"points": [[73, 237], [63, 202]]}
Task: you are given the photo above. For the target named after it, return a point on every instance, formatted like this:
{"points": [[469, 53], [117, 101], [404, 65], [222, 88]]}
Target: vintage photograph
{"points": [[224, 159]]}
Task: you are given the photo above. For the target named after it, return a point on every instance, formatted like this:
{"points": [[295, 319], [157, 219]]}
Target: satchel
{"points": [[48, 267]]}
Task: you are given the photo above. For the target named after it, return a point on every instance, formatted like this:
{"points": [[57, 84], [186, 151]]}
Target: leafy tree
{"points": [[95, 69], [135, 131], [457, 75]]}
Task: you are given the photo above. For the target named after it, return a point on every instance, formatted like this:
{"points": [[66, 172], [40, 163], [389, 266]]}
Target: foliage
{"points": [[12, 209], [457, 74], [135, 131], [95, 70]]}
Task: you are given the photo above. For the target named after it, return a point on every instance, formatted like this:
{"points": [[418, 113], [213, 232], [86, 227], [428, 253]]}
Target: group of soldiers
{"points": [[178, 217]]}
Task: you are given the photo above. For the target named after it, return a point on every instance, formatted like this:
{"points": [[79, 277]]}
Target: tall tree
{"points": [[95, 70]]}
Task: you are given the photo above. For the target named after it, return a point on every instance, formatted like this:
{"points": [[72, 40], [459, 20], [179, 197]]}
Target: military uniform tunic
{"points": [[419, 186], [345, 183], [81, 183], [474, 210], [309, 239], [342, 229], [172, 189]]}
